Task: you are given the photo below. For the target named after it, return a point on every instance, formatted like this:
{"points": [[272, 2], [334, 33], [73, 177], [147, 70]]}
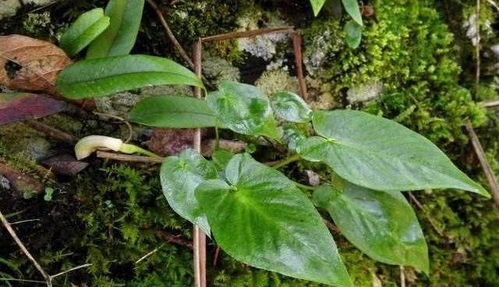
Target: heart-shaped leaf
{"points": [[290, 107], [105, 76], [16, 107], [380, 154], [83, 31], [380, 223], [317, 6], [173, 112], [121, 35], [244, 109], [352, 8], [261, 218], [180, 176]]}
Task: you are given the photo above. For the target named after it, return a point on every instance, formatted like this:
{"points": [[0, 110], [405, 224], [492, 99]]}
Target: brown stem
{"points": [[23, 248], [129, 158], [246, 34], [490, 104], [477, 47], [487, 169], [176, 239], [52, 132], [299, 65]]}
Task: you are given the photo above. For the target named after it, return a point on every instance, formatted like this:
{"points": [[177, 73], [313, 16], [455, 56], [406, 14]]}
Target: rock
{"points": [[4, 183], [8, 8], [364, 93], [275, 81]]}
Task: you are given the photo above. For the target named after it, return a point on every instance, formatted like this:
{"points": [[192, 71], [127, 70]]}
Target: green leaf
{"points": [[380, 154], [381, 224], [261, 218], [353, 32], [244, 109], [83, 31], [317, 6], [221, 158], [173, 112], [105, 76], [352, 8], [121, 35], [180, 176], [290, 107]]}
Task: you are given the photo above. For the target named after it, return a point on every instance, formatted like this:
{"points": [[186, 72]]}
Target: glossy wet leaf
{"points": [[352, 8], [380, 154], [119, 38], [180, 176], [261, 218], [105, 76], [290, 107], [244, 109], [83, 31], [173, 112], [317, 6], [381, 224], [16, 107], [353, 32], [221, 157]]}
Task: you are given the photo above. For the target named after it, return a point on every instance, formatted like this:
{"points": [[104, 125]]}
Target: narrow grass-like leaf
{"points": [[105, 76], [317, 6], [381, 224], [180, 176], [380, 154], [83, 31], [121, 35], [352, 8], [259, 217], [173, 112]]}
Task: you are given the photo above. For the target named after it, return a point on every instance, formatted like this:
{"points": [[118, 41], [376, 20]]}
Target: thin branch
{"points": [[176, 239], [490, 104], [246, 34], [402, 276], [299, 65], [430, 219], [477, 47], [129, 158], [170, 34], [23, 248], [52, 132], [148, 254], [70, 270], [23, 280], [487, 169]]}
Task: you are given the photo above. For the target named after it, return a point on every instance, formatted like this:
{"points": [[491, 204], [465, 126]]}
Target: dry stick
{"points": [[246, 34], [487, 169], [402, 276], [129, 158], [52, 132], [69, 270], [299, 65], [23, 248], [490, 104], [174, 239], [170, 35], [430, 220], [199, 238], [477, 47]]}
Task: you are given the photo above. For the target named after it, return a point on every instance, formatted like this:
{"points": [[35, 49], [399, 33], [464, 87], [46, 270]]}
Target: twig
{"points": [[299, 65], [23, 248], [430, 219], [215, 257], [199, 238], [477, 47], [52, 132], [174, 239], [246, 34], [490, 104], [402, 276], [148, 254], [23, 280], [70, 270], [331, 226], [24, 221], [129, 158], [494, 4], [170, 34], [487, 169]]}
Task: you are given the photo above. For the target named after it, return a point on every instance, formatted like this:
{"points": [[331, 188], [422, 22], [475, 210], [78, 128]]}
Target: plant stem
{"points": [[303, 186], [286, 161]]}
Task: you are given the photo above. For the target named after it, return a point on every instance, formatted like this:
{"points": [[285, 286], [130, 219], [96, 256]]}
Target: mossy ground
{"points": [[109, 214]]}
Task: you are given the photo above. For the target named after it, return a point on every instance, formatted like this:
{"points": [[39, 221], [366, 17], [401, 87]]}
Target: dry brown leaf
{"points": [[29, 64]]}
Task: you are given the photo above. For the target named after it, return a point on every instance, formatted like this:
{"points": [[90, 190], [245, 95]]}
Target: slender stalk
{"points": [[286, 161]]}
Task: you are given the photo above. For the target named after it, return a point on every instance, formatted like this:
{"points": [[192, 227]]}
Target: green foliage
{"points": [[352, 8], [104, 76], [173, 112], [317, 5], [353, 34], [380, 154], [83, 31], [120, 37], [290, 107], [387, 231], [259, 217]]}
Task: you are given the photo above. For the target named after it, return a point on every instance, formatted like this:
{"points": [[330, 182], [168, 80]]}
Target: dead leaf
{"points": [[171, 141], [64, 164], [29, 64], [20, 182], [16, 107]]}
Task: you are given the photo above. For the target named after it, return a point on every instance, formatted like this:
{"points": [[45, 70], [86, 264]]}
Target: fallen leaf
{"points": [[23, 106], [20, 182], [171, 141], [29, 64], [64, 164]]}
